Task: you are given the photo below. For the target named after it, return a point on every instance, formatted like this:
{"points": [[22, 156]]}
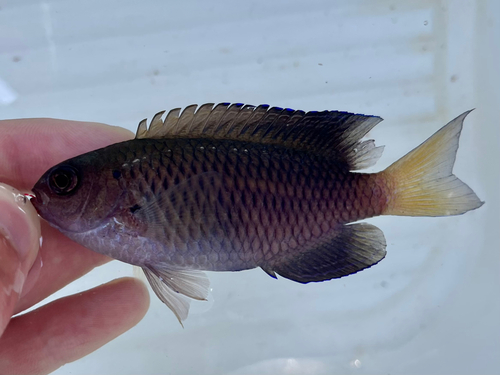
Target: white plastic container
{"points": [[432, 305]]}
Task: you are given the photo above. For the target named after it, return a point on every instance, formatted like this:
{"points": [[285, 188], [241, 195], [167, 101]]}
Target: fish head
{"points": [[76, 195]]}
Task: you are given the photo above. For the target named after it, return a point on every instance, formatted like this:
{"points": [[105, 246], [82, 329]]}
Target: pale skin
{"points": [[67, 329]]}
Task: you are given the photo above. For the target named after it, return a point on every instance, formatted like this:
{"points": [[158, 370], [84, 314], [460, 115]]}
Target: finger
{"points": [[72, 327], [31, 146], [63, 262], [19, 242]]}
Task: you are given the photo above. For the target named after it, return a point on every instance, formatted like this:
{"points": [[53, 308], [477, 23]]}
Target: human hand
{"points": [[67, 329]]}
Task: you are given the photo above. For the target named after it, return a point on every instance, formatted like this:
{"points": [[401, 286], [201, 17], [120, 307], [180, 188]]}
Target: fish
{"points": [[232, 187]]}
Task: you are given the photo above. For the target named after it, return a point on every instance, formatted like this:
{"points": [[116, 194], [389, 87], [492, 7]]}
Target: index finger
{"points": [[28, 147]]}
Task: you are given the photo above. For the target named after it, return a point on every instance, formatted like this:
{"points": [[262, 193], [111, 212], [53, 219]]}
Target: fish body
{"points": [[221, 206], [234, 187]]}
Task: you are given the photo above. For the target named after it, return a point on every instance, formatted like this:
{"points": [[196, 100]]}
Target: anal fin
{"points": [[353, 248], [173, 287]]}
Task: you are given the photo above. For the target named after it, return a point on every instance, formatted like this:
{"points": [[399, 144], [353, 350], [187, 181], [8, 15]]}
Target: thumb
{"points": [[19, 243]]}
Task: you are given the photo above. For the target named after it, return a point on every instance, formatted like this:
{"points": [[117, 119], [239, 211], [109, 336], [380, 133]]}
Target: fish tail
{"points": [[421, 183]]}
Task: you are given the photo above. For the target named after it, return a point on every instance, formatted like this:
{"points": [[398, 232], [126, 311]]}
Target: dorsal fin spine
{"points": [[332, 134]]}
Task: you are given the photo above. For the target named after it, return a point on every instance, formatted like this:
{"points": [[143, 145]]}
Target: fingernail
{"points": [[11, 276], [11, 281], [19, 223], [33, 274]]}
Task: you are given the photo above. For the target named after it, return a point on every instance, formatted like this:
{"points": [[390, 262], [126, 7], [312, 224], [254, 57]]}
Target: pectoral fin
{"points": [[173, 287], [353, 248]]}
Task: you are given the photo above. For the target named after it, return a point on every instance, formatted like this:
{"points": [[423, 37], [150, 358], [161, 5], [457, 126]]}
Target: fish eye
{"points": [[63, 180]]}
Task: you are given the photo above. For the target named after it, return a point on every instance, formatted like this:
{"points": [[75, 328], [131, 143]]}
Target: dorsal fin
{"points": [[329, 133]]}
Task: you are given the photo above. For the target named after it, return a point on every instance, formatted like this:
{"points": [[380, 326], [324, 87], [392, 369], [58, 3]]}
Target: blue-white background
{"points": [[432, 306]]}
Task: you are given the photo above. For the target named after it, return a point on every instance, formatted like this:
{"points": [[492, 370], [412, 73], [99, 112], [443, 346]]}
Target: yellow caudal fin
{"points": [[422, 181]]}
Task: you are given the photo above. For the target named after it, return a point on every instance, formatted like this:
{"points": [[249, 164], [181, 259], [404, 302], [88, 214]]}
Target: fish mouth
{"points": [[37, 199], [32, 199]]}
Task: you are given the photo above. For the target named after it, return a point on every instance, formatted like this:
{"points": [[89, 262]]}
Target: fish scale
{"points": [[251, 223]]}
